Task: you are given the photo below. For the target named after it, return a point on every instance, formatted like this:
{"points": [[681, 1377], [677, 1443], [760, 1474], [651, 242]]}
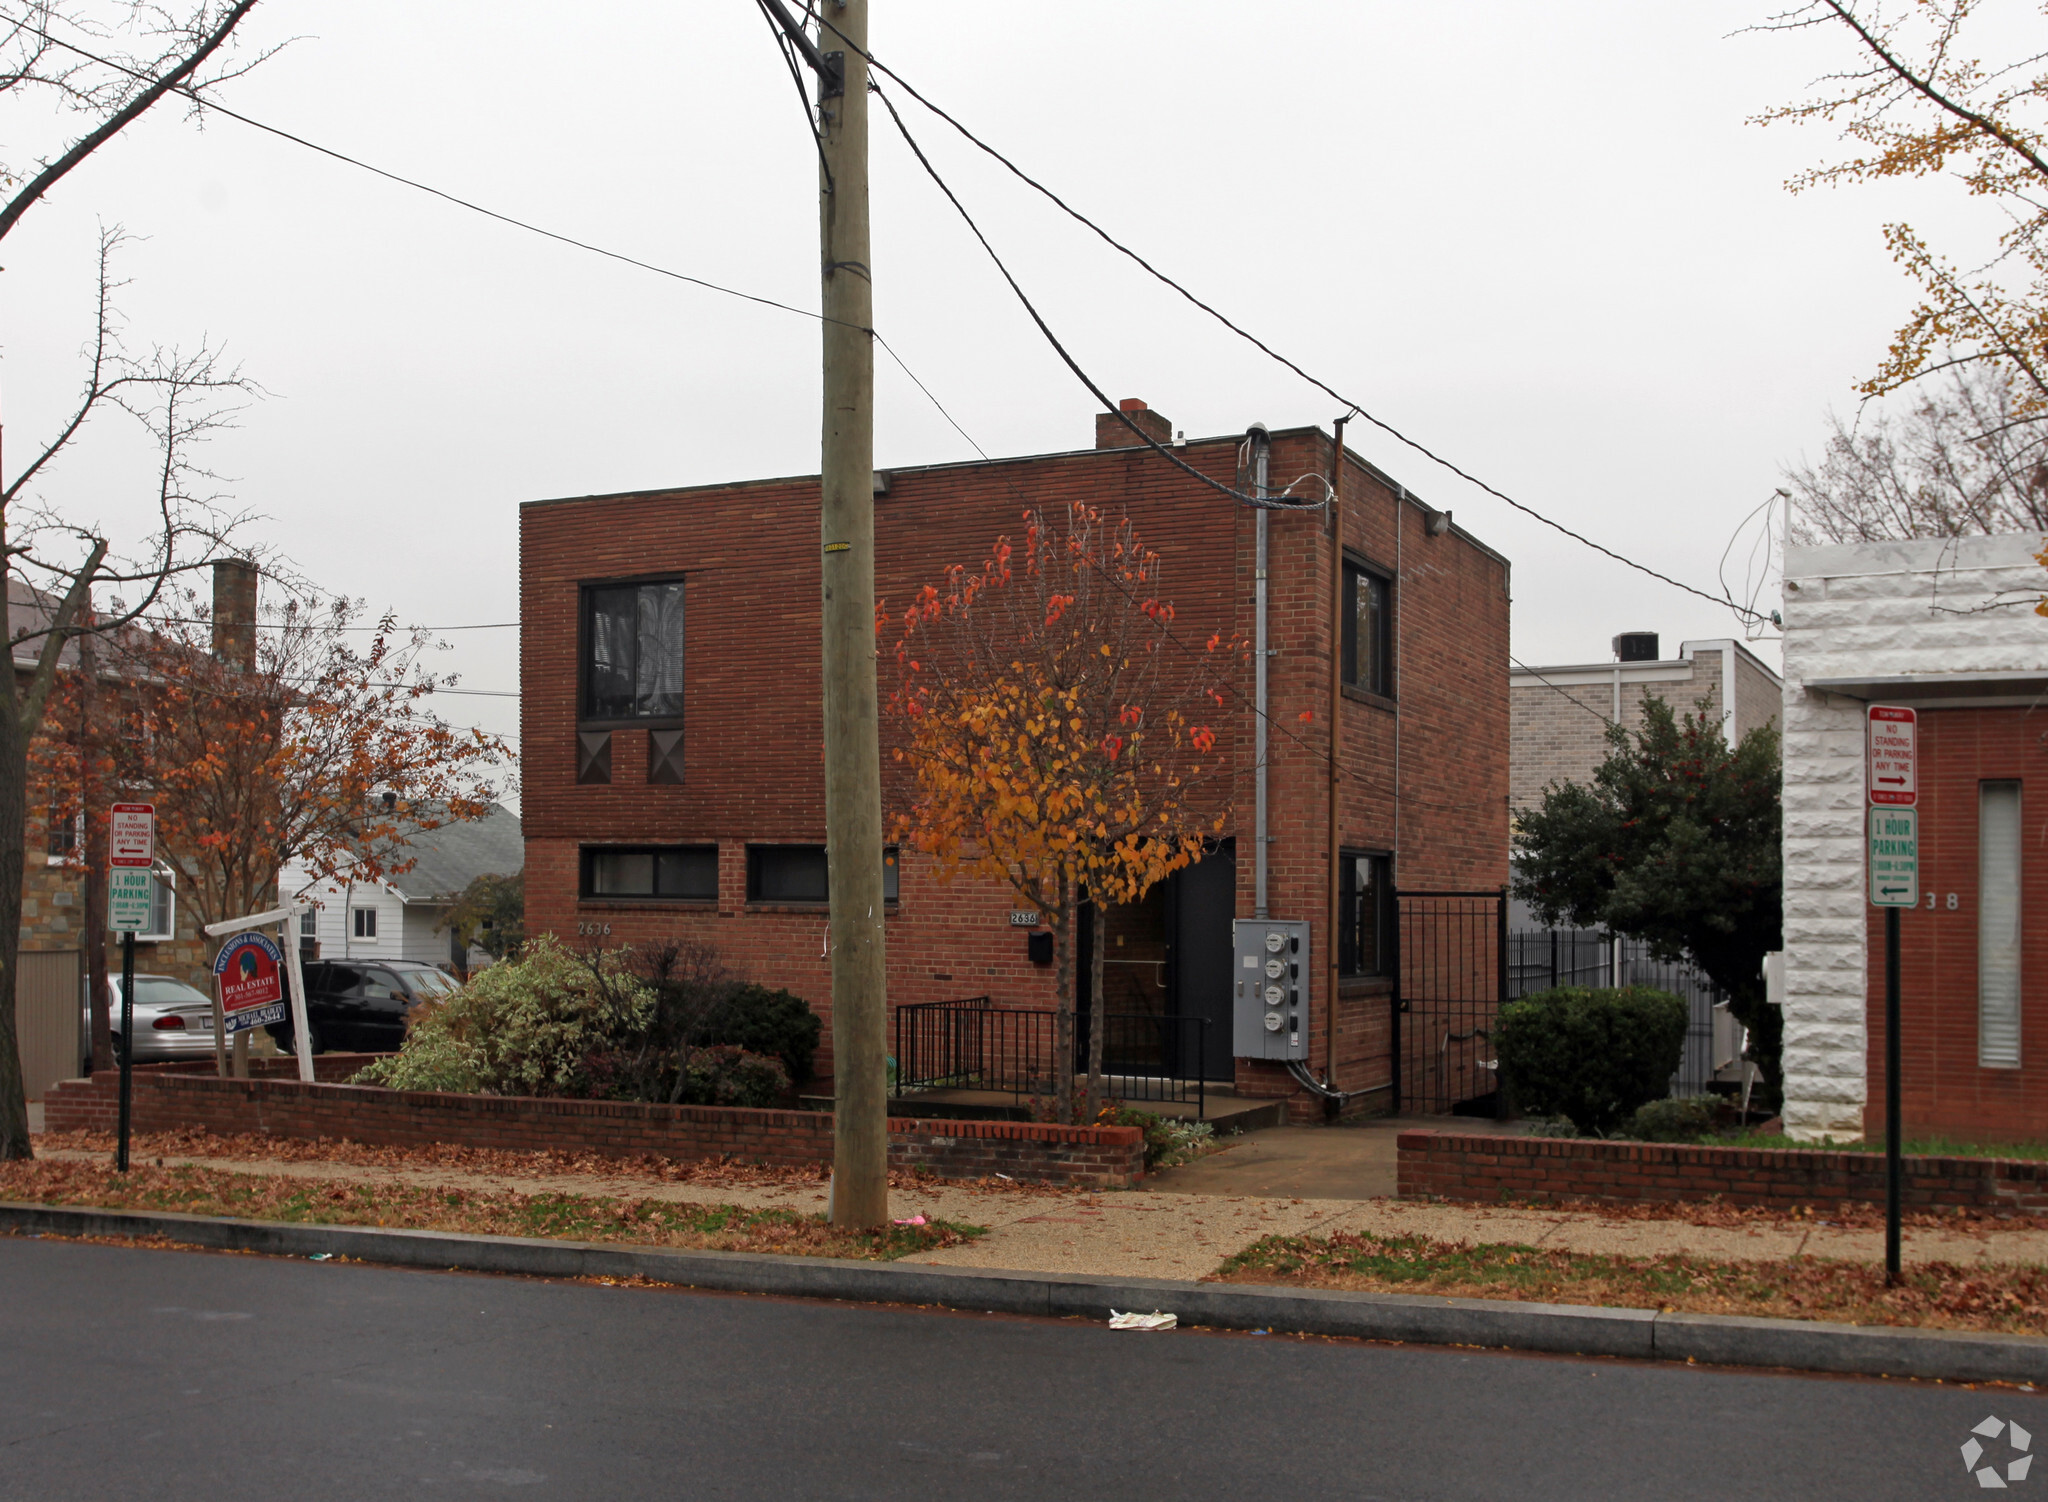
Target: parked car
{"points": [[172, 1021], [361, 1005]]}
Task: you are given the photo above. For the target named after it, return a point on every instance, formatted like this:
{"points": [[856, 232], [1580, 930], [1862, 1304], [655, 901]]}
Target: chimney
{"points": [[234, 613], [1636, 646], [1111, 434]]}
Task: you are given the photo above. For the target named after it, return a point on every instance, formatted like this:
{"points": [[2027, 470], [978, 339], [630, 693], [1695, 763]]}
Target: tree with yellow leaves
{"points": [[1054, 731], [1914, 103]]}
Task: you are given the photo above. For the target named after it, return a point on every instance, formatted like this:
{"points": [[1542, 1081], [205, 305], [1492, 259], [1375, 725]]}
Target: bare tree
{"points": [[1958, 462], [107, 62]]}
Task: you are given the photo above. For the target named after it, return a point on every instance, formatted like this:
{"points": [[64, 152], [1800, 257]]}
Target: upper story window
{"points": [[1368, 658], [633, 651]]}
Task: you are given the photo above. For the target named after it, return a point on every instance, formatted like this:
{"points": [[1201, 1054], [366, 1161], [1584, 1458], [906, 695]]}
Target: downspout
{"points": [[1261, 443], [1336, 700]]}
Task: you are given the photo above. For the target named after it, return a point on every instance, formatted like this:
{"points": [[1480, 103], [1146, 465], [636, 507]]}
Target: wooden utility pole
{"points": [[853, 762]]}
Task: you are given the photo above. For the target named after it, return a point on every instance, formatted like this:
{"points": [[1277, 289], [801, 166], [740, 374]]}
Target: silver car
{"points": [[172, 1021]]}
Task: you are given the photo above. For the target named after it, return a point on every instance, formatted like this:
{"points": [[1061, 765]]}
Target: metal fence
{"points": [[1539, 959], [976, 1045], [1451, 977]]}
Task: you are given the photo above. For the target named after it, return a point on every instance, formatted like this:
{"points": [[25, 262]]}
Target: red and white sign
{"points": [[1889, 736], [251, 987], [131, 834]]}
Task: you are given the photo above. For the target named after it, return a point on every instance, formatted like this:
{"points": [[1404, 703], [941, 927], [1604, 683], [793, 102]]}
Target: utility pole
{"points": [[853, 762]]}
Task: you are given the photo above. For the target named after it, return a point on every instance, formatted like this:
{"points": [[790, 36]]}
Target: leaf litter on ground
{"points": [[2012, 1298], [192, 1189]]}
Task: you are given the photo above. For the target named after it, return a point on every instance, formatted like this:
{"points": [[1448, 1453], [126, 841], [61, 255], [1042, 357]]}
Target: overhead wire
{"points": [[1243, 333]]}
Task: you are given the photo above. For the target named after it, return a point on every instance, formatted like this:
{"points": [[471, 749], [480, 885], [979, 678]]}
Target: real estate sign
{"points": [[251, 987], [1894, 857]]}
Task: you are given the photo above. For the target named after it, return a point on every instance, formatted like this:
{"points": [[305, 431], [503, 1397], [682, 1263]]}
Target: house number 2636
{"points": [[603, 930], [1934, 900]]}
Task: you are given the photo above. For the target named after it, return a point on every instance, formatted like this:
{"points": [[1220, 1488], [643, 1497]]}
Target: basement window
{"points": [[797, 874], [671, 873]]}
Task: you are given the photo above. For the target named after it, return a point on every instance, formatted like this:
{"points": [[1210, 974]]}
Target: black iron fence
{"points": [[1539, 959], [1451, 976], [976, 1045]]}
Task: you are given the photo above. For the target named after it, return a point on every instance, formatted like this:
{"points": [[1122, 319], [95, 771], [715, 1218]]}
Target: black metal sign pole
{"points": [[127, 1043], [1893, 1168]]}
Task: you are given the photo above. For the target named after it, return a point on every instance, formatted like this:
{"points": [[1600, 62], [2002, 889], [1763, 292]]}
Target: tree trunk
{"points": [[14, 1143], [1095, 1009], [1063, 1013]]}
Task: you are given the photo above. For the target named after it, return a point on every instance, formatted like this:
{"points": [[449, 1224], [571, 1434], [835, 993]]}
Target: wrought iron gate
{"points": [[1450, 978]]}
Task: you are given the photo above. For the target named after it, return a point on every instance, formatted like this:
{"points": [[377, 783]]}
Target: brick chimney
{"points": [[234, 613], [1111, 434]]}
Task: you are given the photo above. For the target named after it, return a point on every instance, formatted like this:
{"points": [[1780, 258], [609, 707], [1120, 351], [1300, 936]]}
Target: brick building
{"points": [[1561, 714], [689, 802], [1945, 627]]}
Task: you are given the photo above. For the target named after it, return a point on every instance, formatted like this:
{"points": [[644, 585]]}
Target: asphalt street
{"points": [[130, 1372]]}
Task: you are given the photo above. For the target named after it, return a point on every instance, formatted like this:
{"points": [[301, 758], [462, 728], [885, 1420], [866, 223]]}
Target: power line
{"points": [[1245, 334], [1538, 676]]}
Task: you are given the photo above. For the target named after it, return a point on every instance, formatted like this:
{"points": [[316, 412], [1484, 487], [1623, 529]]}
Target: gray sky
{"points": [[1539, 238]]}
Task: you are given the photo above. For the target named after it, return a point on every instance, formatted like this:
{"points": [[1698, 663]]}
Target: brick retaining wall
{"points": [[179, 1098], [1462, 1166]]}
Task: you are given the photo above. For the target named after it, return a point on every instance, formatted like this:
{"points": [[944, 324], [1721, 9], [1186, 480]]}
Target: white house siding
{"points": [[1868, 610]]}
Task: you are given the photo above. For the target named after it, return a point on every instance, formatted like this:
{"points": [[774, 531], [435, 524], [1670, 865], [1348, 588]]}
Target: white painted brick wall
{"points": [[1854, 611]]}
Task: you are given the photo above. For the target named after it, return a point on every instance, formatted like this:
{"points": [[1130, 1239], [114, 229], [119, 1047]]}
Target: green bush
{"points": [[1670, 1120], [762, 1021], [1592, 1055], [1169, 1141], [728, 1076], [526, 1026]]}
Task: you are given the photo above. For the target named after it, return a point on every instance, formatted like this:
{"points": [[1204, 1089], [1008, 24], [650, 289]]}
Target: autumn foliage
{"points": [[1057, 734]]}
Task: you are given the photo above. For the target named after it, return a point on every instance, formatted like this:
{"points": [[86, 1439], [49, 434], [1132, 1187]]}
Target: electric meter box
{"points": [[1269, 1013]]}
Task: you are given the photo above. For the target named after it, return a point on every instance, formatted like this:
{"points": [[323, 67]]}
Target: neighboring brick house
{"points": [[1945, 627], [1561, 714], [701, 814]]}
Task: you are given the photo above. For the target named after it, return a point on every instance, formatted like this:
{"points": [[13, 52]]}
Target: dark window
{"points": [[366, 923], [633, 651], [797, 873], [64, 833], [1365, 890], [682, 873], [1368, 631]]}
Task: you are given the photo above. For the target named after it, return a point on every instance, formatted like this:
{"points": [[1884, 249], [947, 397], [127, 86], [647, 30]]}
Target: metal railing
{"points": [[974, 1044]]}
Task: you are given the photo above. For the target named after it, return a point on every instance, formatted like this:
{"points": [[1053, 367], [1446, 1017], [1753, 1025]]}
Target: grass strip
{"points": [[1919, 1147], [194, 1190], [2009, 1298]]}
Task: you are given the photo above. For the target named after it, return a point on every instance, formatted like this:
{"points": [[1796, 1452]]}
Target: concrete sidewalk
{"points": [[1182, 1226]]}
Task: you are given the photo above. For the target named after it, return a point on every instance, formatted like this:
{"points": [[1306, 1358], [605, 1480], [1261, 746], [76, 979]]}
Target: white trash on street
{"points": [[1134, 1321]]}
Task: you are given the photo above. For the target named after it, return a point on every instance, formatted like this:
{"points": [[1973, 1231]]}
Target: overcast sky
{"points": [[1539, 238]]}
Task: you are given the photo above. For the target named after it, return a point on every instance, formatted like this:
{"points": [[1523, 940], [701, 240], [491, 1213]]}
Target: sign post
{"points": [[1892, 784], [131, 851]]}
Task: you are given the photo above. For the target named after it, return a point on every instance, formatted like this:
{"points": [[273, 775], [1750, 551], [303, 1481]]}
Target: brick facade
{"points": [[183, 1099], [749, 553], [1456, 1166]]}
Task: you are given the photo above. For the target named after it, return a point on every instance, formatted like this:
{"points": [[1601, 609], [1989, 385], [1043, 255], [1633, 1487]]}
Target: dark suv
{"points": [[361, 1005]]}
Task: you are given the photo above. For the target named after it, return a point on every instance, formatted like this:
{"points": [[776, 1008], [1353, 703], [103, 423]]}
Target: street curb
{"points": [[1564, 1329]]}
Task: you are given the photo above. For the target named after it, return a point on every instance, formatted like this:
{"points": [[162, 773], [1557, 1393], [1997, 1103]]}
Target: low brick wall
{"points": [[1471, 1166], [179, 1097]]}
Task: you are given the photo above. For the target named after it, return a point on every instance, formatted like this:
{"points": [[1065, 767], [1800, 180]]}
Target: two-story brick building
{"points": [[670, 720]]}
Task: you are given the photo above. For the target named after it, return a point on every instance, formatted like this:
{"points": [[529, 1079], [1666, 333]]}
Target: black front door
{"points": [[1201, 902]]}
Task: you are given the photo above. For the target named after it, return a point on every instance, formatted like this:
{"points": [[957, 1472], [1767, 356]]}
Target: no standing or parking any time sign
{"points": [[1889, 736]]}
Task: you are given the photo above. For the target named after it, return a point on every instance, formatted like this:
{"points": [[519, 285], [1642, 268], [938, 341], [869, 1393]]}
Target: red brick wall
{"points": [[1454, 1166], [751, 742], [1943, 1088], [173, 1100]]}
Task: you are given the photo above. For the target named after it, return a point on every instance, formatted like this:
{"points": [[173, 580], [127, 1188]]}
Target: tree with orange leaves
{"points": [[299, 749], [1056, 736]]}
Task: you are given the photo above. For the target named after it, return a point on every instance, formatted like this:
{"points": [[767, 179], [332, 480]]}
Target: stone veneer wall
{"points": [[1862, 610]]}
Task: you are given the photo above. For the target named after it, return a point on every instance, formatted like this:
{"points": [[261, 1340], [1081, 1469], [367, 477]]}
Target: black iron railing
{"points": [[976, 1045]]}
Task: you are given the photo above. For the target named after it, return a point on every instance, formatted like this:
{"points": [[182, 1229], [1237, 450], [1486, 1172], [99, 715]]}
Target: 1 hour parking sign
{"points": [[1894, 857]]}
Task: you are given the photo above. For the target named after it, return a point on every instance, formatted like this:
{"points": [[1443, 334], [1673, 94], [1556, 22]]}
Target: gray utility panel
{"points": [[1270, 1009]]}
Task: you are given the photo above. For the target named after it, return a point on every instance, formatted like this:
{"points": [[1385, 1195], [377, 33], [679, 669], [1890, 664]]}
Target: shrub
{"points": [[1668, 1120], [1592, 1055], [726, 1076], [525, 1026], [1169, 1141], [762, 1021]]}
